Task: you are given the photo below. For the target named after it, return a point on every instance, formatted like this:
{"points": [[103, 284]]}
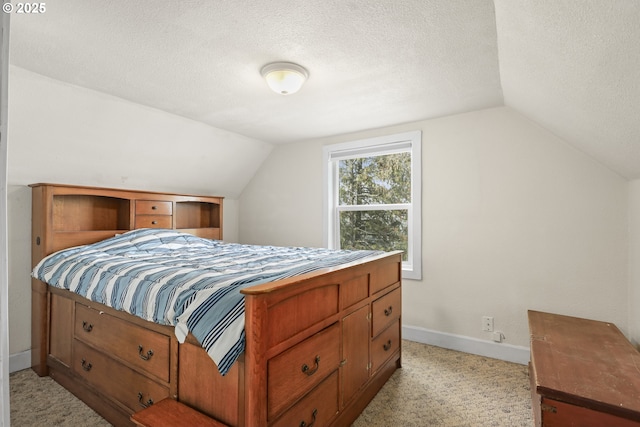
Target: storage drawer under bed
{"points": [[384, 311], [319, 407], [299, 369], [145, 350], [132, 389], [385, 345]]}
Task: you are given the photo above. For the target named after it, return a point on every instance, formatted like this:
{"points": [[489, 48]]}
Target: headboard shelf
{"points": [[197, 215], [84, 212], [80, 215]]}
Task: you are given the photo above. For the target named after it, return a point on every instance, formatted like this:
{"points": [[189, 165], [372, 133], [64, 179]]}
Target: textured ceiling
{"points": [[570, 65]]}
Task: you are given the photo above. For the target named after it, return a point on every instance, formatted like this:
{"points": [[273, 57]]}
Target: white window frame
{"points": [[389, 144]]}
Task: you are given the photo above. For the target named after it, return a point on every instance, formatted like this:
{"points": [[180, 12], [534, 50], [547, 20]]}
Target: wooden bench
{"points": [[583, 373], [171, 413]]}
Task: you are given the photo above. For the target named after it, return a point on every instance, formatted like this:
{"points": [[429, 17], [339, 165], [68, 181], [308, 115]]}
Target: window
{"points": [[372, 197]]}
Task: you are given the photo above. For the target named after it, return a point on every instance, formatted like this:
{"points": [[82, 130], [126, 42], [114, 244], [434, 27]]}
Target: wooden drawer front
{"points": [[385, 311], [385, 345], [317, 408], [145, 350], [153, 207], [299, 369], [116, 380], [301, 311], [154, 221], [385, 276], [354, 291]]}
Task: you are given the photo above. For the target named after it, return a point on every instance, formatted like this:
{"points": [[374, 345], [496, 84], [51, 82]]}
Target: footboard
{"points": [[320, 347]]}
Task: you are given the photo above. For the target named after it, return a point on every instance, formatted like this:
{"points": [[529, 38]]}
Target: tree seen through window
{"points": [[373, 192]]}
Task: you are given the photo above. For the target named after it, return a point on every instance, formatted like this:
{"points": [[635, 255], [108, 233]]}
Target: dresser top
{"points": [[585, 362]]}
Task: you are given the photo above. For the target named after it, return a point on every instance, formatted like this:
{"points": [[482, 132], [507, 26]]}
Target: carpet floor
{"points": [[435, 387]]}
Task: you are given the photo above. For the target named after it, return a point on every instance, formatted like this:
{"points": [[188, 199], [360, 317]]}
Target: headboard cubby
{"points": [[69, 215]]}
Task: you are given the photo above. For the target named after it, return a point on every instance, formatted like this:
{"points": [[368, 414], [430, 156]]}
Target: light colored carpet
{"points": [[435, 387], [439, 387]]}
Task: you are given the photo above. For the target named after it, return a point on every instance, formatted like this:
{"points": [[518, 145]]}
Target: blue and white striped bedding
{"points": [[173, 278]]}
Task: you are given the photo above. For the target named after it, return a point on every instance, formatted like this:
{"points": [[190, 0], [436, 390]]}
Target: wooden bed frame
{"points": [[318, 346]]}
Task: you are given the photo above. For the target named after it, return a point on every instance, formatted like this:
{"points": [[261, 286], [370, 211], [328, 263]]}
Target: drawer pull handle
{"points": [[86, 366], [146, 404], [153, 208], [142, 356], [308, 371], [314, 414], [388, 311], [87, 326], [154, 222], [387, 346]]}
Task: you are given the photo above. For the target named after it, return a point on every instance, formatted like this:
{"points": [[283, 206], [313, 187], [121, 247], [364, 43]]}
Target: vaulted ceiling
{"points": [[573, 66]]}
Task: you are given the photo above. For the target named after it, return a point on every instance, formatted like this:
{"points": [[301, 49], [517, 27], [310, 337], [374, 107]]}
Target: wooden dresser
{"points": [[583, 373]]}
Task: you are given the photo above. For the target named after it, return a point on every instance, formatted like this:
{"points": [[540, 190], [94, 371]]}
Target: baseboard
{"points": [[19, 361], [494, 350], [501, 351]]}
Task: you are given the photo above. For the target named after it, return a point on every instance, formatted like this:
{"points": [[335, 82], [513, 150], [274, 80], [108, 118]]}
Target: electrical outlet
{"points": [[487, 323]]}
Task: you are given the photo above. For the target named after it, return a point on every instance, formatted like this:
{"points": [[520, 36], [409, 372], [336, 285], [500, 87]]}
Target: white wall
{"points": [[282, 205], [634, 261], [513, 219], [4, 276], [66, 134]]}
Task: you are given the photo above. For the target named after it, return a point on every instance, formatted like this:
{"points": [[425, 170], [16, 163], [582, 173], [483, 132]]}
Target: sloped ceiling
{"points": [[572, 66]]}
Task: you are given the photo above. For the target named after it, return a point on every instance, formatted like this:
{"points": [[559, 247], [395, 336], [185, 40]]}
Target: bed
{"points": [[312, 345]]}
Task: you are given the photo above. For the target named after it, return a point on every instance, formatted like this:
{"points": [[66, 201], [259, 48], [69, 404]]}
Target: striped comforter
{"points": [[173, 278]]}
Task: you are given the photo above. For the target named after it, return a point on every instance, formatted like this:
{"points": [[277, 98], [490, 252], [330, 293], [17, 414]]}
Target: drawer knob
{"points": [[143, 356], [86, 366], [313, 414], [146, 404], [309, 371], [387, 346], [87, 326], [388, 311], [154, 222], [153, 208]]}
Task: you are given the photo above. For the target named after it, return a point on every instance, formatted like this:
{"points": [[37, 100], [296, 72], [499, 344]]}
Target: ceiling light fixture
{"points": [[284, 78]]}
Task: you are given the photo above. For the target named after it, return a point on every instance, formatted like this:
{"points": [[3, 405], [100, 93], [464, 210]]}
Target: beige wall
{"points": [[513, 219], [65, 134], [634, 261]]}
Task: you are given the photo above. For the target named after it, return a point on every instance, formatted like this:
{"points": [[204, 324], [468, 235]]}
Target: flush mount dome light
{"points": [[284, 78]]}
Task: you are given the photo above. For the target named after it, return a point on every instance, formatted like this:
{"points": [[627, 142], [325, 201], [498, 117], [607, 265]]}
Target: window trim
{"points": [[412, 268]]}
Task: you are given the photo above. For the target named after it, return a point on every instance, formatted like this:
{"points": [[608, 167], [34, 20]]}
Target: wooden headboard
{"points": [[66, 216]]}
